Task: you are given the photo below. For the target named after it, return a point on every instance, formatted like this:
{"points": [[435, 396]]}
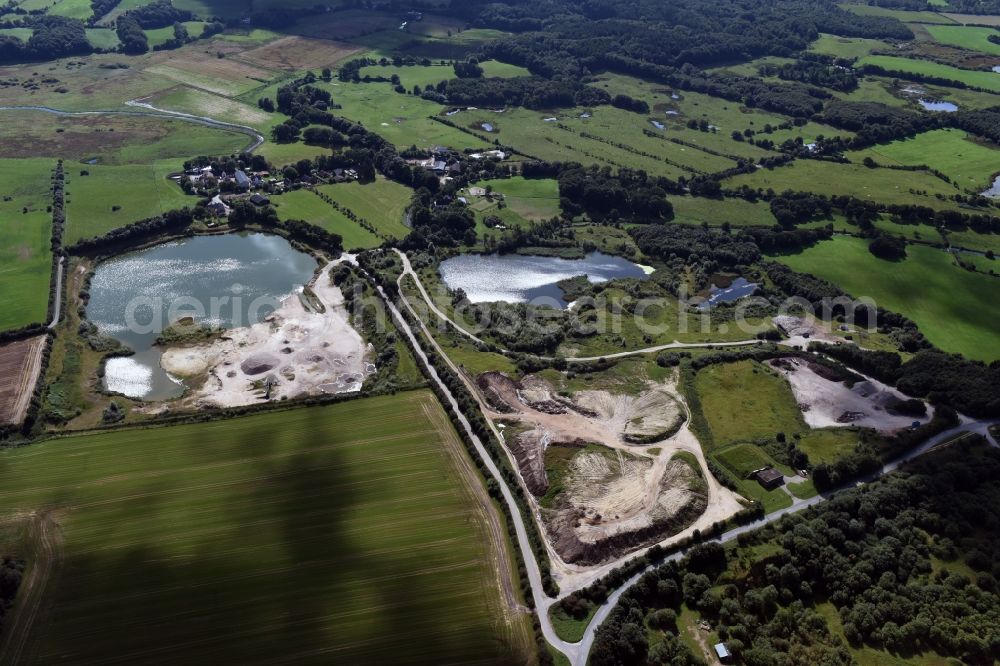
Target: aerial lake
{"points": [[227, 280], [938, 105], [994, 189], [516, 278], [734, 291]]}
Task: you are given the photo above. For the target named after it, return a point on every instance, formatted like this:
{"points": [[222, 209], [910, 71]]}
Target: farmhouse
{"points": [[768, 477], [259, 200], [242, 180]]}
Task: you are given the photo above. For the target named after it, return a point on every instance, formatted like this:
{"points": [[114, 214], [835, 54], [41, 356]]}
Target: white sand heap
{"points": [[294, 351]]}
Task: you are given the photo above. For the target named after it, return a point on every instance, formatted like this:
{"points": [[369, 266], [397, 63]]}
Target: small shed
{"points": [[769, 477], [722, 652]]}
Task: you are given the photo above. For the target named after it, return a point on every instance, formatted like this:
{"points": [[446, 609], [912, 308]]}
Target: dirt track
{"points": [[492, 522], [20, 362], [44, 564]]}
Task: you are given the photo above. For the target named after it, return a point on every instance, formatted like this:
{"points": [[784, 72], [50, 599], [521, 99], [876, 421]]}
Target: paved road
{"points": [[577, 653], [57, 309], [153, 112]]}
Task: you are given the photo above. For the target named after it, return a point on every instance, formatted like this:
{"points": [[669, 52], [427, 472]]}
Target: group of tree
{"points": [[825, 75], [51, 37], [469, 69], [874, 554], [159, 14], [131, 35], [625, 194]]}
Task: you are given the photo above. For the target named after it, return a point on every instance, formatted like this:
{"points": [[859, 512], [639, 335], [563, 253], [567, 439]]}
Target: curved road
{"points": [[577, 653], [154, 112]]}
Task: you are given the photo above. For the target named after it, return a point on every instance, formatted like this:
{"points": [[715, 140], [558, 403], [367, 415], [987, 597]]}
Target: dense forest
{"points": [[904, 565]]}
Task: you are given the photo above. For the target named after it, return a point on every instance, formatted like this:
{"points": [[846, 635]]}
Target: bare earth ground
{"points": [[614, 500], [294, 53], [295, 350], [20, 363], [825, 403], [801, 331]]}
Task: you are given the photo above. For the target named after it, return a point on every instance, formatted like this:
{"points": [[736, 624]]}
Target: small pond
{"points": [[228, 280], [729, 291], [516, 278], [938, 105], [993, 190], [488, 127], [657, 124]]}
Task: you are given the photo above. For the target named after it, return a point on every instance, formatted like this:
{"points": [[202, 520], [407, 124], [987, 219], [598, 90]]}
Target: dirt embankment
{"points": [[612, 497], [299, 349], [20, 365], [827, 402]]}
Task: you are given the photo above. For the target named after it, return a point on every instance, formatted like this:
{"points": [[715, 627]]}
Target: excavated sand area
{"points": [[653, 415], [297, 350], [825, 403], [627, 494], [613, 499]]}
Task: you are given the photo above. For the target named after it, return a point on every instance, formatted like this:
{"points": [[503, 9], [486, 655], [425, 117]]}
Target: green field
{"points": [[846, 47], [744, 401], [25, 255], [21, 33], [102, 38], [968, 163], [902, 15], [976, 78], [966, 37], [826, 446], [338, 534], [383, 203], [532, 199], [881, 185], [159, 36], [715, 212], [78, 9], [140, 191], [423, 76], [304, 205], [402, 119], [956, 309]]}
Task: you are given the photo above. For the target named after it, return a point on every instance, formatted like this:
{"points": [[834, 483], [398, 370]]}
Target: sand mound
{"points": [[651, 416], [258, 364]]}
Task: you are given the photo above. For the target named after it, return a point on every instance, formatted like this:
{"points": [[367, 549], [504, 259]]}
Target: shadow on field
{"points": [[247, 553]]}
